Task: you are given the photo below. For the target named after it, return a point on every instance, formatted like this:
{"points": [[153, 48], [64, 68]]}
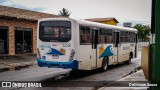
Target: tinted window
{"points": [[85, 37], [57, 31], [105, 36], [132, 37], [126, 36]]}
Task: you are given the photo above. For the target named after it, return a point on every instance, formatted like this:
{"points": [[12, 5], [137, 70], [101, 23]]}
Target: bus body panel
{"points": [[106, 50], [124, 51], [85, 55], [72, 54], [58, 54]]}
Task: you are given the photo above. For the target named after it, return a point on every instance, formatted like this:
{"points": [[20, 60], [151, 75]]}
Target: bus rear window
{"points": [[55, 31]]}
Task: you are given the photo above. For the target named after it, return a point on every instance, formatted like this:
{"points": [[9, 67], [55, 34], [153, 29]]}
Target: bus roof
{"points": [[94, 24], [89, 23]]}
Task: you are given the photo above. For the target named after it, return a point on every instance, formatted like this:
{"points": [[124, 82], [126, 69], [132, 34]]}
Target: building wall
{"points": [[127, 24], [111, 22], [12, 23]]}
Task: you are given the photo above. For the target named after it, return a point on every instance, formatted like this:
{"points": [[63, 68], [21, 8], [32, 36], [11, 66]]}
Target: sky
{"points": [[135, 11]]}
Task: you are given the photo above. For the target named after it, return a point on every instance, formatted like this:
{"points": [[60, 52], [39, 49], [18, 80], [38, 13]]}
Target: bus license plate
{"points": [[55, 56]]}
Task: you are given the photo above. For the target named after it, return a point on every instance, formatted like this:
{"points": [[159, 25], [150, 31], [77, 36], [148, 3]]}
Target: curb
{"points": [[125, 88], [2, 69], [16, 66]]}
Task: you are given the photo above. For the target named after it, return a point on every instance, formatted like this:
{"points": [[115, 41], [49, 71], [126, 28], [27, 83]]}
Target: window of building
{"points": [[85, 37], [105, 36], [4, 40], [23, 40]]}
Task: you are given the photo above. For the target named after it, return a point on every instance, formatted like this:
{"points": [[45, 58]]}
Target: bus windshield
{"points": [[55, 31]]}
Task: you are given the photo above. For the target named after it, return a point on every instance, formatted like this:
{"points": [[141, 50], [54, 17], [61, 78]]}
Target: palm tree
{"points": [[64, 12]]}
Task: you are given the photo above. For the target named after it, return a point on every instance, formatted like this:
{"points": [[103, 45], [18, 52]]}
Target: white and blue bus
{"points": [[83, 45]]}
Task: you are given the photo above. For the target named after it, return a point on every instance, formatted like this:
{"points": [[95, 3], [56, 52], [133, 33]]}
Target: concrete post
{"points": [[11, 40]]}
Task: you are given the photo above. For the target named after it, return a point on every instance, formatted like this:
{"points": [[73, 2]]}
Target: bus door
{"points": [[94, 34], [116, 43]]}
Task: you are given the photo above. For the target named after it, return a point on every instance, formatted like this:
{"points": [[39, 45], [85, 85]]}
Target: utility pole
{"points": [[155, 49]]}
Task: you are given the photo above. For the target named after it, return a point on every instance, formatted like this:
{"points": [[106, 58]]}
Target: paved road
{"points": [[113, 74], [47, 75], [33, 73]]}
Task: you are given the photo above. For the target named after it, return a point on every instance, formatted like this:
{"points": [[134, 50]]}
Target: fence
{"points": [[142, 43]]}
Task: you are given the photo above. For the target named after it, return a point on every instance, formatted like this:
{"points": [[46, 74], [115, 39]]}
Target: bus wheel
{"points": [[105, 64], [129, 61]]}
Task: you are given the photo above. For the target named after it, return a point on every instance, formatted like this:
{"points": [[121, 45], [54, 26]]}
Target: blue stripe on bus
{"points": [[72, 64], [53, 51], [107, 52]]}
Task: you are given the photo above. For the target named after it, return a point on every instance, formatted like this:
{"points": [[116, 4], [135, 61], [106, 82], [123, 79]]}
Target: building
{"points": [[18, 30], [127, 24], [111, 20]]}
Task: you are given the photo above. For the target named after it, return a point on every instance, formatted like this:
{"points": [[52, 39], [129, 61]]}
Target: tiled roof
{"points": [[101, 19], [11, 12]]}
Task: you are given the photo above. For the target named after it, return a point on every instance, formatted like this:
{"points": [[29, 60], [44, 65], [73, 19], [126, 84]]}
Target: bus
{"points": [[83, 45]]}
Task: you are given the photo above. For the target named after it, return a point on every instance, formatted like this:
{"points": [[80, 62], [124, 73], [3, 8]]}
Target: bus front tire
{"points": [[105, 64]]}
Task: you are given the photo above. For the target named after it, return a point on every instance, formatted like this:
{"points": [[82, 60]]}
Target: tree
{"points": [[143, 31], [64, 12]]}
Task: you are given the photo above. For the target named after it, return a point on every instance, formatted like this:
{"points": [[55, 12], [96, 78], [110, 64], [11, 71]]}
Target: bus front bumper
{"points": [[44, 63]]}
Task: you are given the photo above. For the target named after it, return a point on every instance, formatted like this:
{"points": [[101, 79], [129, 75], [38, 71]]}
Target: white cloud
{"points": [[11, 3]]}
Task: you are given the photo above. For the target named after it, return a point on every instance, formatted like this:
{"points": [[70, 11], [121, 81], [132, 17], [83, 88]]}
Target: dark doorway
{"points": [[3, 40], [23, 40], [28, 41]]}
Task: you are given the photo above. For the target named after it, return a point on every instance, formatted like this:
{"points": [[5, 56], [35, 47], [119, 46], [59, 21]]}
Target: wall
{"points": [[11, 23]]}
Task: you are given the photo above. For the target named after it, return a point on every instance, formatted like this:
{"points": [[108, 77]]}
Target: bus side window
{"points": [[110, 36], [102, 35], [127, 36], [124, 36], [132, 37], [105, 36], [85, 35], [121, 36]]}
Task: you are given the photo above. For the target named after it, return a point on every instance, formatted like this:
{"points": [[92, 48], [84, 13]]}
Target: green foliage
{"points": [[64, 12], [143, 31]]}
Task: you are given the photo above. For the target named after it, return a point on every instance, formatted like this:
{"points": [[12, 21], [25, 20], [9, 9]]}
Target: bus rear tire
{"points": [[104, 64]]}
